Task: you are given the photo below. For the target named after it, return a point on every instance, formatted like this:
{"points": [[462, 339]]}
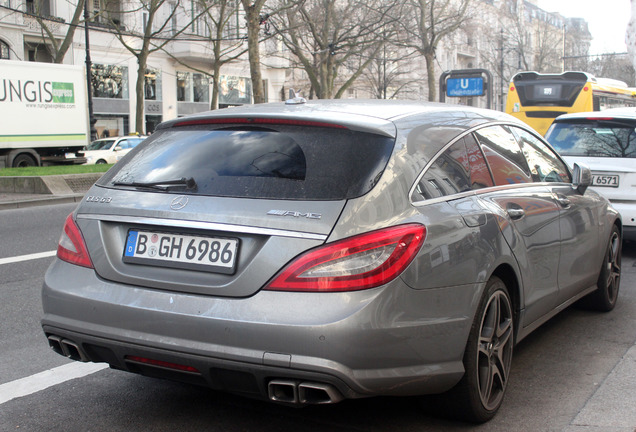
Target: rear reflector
{"points": [[361, 262], [163, 364]]}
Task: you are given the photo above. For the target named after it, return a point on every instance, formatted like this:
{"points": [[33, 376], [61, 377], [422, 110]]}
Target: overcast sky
{"points": [[607, 20]]}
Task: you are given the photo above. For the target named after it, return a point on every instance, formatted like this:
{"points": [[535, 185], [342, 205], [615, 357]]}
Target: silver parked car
{"points": [[314, 251], [605, 141]]}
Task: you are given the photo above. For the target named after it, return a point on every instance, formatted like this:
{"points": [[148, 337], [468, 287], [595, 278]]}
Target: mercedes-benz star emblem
{"points": [[179, 202]]}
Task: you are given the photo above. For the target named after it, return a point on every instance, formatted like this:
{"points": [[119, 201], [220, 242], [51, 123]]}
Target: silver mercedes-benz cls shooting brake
{"points": [[308, 252]]}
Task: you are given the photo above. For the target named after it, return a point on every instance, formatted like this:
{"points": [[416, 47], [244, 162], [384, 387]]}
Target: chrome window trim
{"points": [[483, 191], [176, 223]]}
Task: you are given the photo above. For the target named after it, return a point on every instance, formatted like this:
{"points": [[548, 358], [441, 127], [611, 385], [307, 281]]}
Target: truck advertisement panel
{"points": [[45, 105]]}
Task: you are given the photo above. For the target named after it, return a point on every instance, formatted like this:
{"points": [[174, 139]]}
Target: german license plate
{"points": [[605, 180], [212, 254]]}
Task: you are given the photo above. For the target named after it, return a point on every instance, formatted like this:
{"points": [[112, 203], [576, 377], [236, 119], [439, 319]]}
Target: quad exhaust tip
{"points": [[303, 393], [67, 348]]}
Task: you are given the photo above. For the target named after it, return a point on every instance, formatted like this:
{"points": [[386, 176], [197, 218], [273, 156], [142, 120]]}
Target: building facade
{"points": [[502, 36], [177, 78]]}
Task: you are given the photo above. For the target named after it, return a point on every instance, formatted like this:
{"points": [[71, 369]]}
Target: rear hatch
{"points": [[605, 143], [219, 209]]}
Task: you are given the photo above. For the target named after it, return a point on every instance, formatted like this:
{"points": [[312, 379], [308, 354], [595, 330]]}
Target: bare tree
{"points": [[227, 42], [615, 66], [221, 18], [254, 19], [392, 74], [156, 30], [425, 24], [56, 46], [330, 37]]}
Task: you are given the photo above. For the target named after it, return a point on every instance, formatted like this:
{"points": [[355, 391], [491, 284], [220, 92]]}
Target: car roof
{"points": [[619, 113], [368, 115]]}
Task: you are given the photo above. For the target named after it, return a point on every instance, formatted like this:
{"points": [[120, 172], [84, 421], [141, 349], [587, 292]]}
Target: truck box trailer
{"points": [[44, 113]]}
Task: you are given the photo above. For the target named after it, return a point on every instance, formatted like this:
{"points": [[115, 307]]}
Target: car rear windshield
{"points": [[594, 139], [278, 162]]}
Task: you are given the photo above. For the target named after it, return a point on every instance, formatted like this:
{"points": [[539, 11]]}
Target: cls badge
{"points": [[179, 202]]}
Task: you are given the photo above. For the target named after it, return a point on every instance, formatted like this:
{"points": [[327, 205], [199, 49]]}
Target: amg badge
{"points": [[294, 214]]}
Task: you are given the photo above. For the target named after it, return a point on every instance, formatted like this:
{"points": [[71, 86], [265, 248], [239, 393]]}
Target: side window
{"points": [[545, 166], [480, 176], [449, 174], [507, 163]]}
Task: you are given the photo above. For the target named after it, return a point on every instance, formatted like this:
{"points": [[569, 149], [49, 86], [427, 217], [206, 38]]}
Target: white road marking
{"points": [[21, 258], [43, 380]]}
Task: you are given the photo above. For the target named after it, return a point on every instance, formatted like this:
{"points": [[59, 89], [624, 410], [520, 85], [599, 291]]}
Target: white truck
{"points": [[44, 112]]}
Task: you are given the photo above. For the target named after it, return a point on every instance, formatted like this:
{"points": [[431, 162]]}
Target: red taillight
{"points": [[512, 88], [365, 261], [586, 88], [72, 247]]}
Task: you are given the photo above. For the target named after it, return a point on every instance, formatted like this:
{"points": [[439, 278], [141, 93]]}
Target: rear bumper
{"points": [[628, 216], [387, 341]]}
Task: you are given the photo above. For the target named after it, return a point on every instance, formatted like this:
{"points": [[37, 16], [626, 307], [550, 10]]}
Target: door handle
{"points": [[516, 213], [564, 202]]}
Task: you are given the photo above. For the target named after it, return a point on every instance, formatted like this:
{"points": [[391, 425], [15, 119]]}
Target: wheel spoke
{"points": [[613, 267]]}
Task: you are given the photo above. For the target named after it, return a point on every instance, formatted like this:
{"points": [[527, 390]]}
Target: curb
{"points": [[58, 199]]}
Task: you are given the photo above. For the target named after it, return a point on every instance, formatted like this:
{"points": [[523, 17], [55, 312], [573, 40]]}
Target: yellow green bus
{"points": [[537, 99]]}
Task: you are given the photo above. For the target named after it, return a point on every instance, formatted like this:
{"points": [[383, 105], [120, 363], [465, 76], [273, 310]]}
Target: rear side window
{"points": [[507, 162], [449, 174], [279, 162], [460, 168], [593, 139]]}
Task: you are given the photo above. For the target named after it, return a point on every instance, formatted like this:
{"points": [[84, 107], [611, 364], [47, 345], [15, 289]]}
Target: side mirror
{"points": [[581, 177], [118, 148]]}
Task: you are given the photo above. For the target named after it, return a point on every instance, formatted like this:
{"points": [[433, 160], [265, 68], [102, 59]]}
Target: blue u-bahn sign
{"points": [[466, 83], [466, 86]]}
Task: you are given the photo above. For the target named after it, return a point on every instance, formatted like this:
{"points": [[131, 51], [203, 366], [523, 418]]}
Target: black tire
{"points": [[609, 278], [100, 162], [488, 357], [23, 161]]}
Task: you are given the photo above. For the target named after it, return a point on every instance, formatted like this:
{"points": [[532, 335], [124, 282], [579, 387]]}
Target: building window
{"points": [[173, 18], [234, 90], [109, 81], [192, 87], [106, 12], [152, 84], [4, 50]]}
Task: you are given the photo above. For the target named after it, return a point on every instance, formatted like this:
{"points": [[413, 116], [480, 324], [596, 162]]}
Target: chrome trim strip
{"points": [[176, 223]]}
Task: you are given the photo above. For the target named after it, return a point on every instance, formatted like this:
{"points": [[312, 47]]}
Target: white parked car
{"points": [[109, 150], [605, 141]]}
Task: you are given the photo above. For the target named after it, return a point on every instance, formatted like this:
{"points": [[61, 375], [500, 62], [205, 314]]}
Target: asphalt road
{"points": [[562, 376]]}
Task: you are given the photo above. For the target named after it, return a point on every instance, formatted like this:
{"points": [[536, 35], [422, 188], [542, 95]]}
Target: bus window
{"points": [[537, 99]]}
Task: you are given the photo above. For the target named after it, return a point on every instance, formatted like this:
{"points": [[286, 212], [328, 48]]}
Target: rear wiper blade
{"points": [[189, 183]]}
